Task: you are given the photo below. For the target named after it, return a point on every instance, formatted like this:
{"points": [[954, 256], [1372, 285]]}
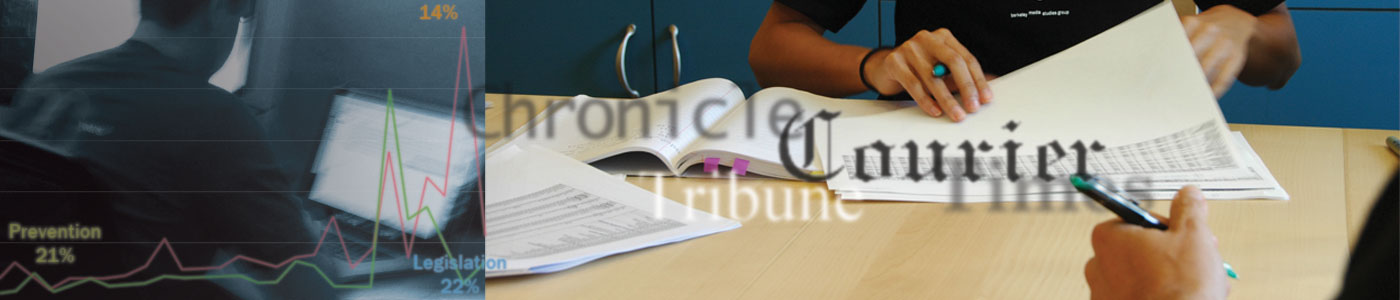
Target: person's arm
{"points": [[789, 50], [1135, 262], [1273, 50], [1233, 44]]}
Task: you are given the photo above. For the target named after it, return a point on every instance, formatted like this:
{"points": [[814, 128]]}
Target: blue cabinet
{"points": [[568, 47], [558, 47], [714, 38]]}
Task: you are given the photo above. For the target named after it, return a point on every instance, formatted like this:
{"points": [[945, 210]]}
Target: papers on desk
{"points": [[1137, 89], [547, 212]]}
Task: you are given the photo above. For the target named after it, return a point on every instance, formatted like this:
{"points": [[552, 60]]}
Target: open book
{"points": [[673, 132]]}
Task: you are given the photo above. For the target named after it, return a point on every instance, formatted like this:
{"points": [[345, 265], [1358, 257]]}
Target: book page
{"points": [[753, 129], [590, 129]]}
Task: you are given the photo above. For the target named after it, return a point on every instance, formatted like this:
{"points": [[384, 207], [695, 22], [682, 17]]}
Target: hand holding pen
{"points": [[1132, 261]]}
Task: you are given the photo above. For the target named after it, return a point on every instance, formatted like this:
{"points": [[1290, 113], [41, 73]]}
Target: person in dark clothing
{"points": [[1374, 270], [1252, 40], [1181, 262], [181, 159]]}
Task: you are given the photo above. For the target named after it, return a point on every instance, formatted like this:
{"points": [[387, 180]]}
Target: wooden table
{"points": [[1293, 249]]}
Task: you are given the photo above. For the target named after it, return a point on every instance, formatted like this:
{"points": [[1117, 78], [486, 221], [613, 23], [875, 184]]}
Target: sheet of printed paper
{"points": [[1034, 190], [1135, 89], [558, 212]]}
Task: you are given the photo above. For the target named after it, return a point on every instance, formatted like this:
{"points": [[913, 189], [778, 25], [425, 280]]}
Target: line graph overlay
{"points": [[386, 168]]}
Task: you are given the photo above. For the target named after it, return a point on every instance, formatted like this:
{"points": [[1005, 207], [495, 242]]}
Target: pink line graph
{"points": [[332, 223], [465, 55]]}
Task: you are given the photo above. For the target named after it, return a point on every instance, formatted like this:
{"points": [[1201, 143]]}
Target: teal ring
{"points": [[939, 70]]}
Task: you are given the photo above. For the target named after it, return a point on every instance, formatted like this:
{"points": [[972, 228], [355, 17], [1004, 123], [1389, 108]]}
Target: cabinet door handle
{"points": [[676, 53], [621, 57]]}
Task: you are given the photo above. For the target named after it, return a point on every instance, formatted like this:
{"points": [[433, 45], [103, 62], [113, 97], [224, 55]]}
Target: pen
{"points": [[1394, 144], [1126, 208]]}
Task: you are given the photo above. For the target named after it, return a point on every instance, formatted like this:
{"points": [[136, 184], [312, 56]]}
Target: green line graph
{"points": [[390, 117]]}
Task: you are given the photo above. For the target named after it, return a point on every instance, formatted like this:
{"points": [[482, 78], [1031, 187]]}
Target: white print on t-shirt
{"points": [[1040, 13]]}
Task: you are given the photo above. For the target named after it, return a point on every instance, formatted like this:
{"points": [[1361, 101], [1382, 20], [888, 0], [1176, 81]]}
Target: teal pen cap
{"points": [[1230, 271]]}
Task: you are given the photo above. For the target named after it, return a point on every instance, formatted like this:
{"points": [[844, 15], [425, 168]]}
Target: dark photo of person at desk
{"points": [[166, 156], [950, 47]]}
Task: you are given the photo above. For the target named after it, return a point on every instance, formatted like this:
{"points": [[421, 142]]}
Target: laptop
{"points": [[394, 167]]}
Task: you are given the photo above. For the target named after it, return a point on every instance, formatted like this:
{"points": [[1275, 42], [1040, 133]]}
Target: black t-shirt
{"points": [[1374, 268], [1005, 35]]}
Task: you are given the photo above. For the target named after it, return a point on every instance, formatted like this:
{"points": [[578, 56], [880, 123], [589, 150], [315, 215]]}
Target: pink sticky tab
{"points": [[711, 164], [741, 166]]}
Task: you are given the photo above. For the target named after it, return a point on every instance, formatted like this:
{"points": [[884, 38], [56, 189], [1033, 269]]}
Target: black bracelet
{"points": [[862, 67]]}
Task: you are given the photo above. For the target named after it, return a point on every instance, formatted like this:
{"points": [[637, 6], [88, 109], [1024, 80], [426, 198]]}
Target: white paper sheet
{"points": [[1035, 191], [1137, 89], [548, 212]]}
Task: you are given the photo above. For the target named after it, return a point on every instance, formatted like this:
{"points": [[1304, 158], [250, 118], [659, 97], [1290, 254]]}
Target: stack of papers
{"points": [[1137, 90], [547, 212]]}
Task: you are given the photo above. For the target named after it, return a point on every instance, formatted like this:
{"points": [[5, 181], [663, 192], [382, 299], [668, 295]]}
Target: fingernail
{"points": [[987, 94]]}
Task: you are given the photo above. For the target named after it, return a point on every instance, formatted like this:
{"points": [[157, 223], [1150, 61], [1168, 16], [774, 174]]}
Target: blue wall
{"points": [[1348, 77]]}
